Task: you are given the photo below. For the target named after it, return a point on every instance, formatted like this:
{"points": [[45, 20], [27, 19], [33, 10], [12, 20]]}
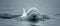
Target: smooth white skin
{"points": [[31, 9]]}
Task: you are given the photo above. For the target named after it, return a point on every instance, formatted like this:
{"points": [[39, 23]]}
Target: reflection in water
{"points": [[33, 17], [8, 16]]}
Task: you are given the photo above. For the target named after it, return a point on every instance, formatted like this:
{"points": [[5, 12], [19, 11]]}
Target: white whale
{"points": [[30, 11]]}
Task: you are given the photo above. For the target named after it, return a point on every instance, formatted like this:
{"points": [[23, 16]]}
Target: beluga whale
{"points": [[33, 15]]}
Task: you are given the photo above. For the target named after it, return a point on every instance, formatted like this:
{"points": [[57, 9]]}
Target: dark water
{"points": [[16, 21]]}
